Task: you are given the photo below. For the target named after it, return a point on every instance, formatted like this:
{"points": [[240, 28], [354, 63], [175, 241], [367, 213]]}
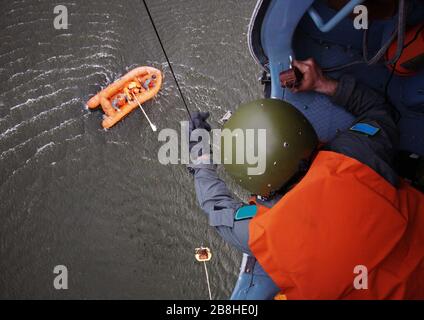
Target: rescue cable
{"points": [[203, 254], [167, 59]]}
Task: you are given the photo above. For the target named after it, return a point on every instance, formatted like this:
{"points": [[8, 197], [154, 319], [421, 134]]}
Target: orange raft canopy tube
{"points": [[117, 100]]}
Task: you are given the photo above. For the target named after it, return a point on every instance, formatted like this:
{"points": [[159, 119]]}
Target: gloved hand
{"points": [[198, 121]]}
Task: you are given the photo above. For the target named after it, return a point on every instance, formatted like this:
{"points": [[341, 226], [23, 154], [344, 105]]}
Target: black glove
{"points": [[198, 121]]}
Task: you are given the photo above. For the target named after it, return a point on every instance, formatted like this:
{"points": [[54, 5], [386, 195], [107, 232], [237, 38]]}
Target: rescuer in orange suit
{"points": [[349, 209]]}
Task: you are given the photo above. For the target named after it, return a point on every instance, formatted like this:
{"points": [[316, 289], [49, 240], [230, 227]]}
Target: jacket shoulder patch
{"points": [[365, 128]]}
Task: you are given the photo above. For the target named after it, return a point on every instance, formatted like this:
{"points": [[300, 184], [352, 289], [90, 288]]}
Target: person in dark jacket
{"points": [[350, 209]]}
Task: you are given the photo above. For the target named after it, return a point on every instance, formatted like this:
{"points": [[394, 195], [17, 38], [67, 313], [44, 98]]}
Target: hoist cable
{"points": [[167, 59]]}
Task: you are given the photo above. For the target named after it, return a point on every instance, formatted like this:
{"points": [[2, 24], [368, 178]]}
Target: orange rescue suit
{"points": [[340, 215]]}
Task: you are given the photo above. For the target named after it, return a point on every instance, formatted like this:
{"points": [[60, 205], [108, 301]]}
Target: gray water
{"points": [[99, 202]]}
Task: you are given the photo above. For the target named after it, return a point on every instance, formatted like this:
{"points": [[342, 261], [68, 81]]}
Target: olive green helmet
{"points": [[290, 138]]}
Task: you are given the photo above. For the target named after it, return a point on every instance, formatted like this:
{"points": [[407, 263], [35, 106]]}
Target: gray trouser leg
{"points": [[253, 283]]}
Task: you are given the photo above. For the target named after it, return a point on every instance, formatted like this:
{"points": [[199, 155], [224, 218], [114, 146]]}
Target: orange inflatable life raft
{"points": [[122, 96]]}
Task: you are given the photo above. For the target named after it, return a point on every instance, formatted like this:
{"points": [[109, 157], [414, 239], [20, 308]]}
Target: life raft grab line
{"points": [[167, 59], [154, 128]]}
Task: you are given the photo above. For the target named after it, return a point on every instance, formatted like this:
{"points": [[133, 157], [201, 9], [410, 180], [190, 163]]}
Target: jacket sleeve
{"points": [[217, 202], [369, 107]]}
